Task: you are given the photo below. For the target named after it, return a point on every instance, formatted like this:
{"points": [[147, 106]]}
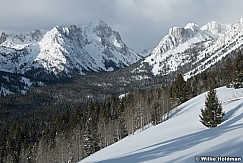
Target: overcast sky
{"points": [[141, 23]]}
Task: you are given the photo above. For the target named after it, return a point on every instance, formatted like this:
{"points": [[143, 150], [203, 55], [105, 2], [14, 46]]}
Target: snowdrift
{"points": [[183, 138]]}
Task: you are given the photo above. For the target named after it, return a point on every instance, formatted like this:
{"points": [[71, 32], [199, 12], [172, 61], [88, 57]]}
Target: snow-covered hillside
{"points": [[12, 83], [65, 50], [183, 138], [193, 49]]}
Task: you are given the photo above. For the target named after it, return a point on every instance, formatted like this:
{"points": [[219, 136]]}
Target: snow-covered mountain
{"points": [[192, 49], [145, 52], [183, 138], [65, 50]]}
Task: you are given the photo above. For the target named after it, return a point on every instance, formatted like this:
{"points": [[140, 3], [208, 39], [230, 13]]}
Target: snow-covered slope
{"points": [[193, 49], [182, 138], [227, 42], [65, 50], [12, 83]]}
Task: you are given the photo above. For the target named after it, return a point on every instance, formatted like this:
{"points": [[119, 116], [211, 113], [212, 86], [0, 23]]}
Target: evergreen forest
{"points": [[36, 128]]}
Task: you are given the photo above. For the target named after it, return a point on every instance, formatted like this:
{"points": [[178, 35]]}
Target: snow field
{"points": [[182, 137]]}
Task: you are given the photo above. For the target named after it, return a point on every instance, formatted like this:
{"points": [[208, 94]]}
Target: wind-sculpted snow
{"points": [[183, 138]]}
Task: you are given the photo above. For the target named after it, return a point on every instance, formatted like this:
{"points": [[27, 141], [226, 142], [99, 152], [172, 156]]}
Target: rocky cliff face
{"points": [[192, 49], [2, 38], [70, 51], [60, 53], [63, 51]]}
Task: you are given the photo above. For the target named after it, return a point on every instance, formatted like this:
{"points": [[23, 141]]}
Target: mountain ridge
{"points": [[171, 52], [94, 47], [66, 52]]}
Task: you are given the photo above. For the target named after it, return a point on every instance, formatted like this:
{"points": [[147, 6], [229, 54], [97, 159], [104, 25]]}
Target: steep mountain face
{"points": [[60, 53], [65, 51], [191, 49], [229, 41]]}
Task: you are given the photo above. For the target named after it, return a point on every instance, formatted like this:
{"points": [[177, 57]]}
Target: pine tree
{"points": [[88, 142], [90, 138], [227, 72], [179, 89], [212, 114], [238, 71]]}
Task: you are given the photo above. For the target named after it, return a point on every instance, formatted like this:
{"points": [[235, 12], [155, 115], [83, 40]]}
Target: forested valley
{"points": [[36, 128]]}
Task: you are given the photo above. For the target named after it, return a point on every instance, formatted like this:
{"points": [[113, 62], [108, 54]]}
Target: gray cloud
{"points": [[141, 23]]}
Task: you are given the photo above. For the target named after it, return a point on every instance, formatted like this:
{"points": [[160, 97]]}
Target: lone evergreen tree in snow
{"points": [[212, 114]]}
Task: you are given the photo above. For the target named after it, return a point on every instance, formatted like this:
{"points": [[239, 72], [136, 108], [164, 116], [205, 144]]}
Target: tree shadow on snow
{"points": [[185, 142]]}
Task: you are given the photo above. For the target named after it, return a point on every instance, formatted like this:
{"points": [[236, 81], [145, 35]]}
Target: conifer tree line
{"points": [[234, 71], [69, 131]]}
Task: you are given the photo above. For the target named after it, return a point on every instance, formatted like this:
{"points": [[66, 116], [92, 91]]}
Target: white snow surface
{"points": [[230, 40], [182, 137], [94, 47], [192, 49]]}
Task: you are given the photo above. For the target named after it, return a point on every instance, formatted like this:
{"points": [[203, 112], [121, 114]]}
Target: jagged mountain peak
{"points": [[33, 36], [65, 50], [92, 27], [214, 29], [179, 35], [192, 49], [238, 24], [177, 39], [188, 31], [97, 24], [97, 28], [192, 27], [3, 37]]}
